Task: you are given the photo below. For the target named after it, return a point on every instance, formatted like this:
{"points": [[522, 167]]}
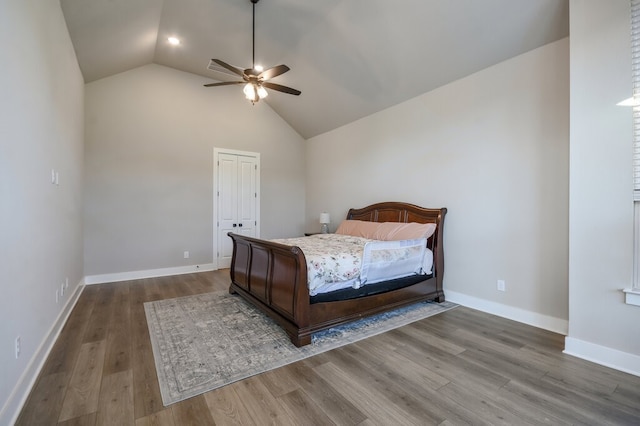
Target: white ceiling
{"points": [[350, 58]]}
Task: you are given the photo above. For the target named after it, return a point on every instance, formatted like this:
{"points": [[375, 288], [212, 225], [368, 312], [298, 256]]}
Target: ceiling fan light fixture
{"points": [[262, 92], [254, 92], [174, 41], [249, 91]]}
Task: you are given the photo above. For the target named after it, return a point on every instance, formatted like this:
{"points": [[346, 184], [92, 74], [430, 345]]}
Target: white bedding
{"points": [[338, 261]]}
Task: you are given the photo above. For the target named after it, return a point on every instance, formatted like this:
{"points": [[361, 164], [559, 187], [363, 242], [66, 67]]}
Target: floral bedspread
{"points": [[330, 257]]}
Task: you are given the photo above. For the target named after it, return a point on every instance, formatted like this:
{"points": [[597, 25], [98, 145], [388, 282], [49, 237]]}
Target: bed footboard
{"points": [[273, 277]]}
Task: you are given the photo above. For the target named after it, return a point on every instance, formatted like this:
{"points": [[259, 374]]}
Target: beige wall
{"points": [[601, 326], [41, 128], [150, 135], [493, 149]]}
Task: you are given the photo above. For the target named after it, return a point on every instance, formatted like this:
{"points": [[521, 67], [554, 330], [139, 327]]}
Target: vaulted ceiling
{"points": [[350, 58]]}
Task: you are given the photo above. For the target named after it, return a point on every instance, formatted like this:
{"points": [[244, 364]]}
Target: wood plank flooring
{"points": [[458, 367]]}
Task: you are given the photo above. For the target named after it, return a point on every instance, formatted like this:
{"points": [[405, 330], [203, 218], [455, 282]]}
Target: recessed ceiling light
{"points": [[174, 41]]}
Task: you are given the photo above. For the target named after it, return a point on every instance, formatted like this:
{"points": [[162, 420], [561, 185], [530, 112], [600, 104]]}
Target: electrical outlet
{"points": [[61, 289], [501, 285], [17, 347], [66, 283], [186, 254]]}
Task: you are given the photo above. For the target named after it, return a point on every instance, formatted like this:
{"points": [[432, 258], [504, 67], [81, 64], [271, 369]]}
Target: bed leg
{"points": [[232, 291], [439, 299], [299, 341]]}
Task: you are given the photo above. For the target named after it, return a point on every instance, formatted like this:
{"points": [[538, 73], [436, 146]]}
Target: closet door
{"points": [[237, 196]]}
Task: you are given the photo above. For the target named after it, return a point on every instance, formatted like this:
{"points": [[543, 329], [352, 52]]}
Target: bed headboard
{"points": [[392, 211], [397, 212]]}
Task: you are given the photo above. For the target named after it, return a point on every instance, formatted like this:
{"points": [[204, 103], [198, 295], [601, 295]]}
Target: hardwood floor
{"points": [[458, 367]]}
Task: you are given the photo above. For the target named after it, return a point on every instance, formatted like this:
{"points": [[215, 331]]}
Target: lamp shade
{"points": [[262, 92], [325, 217], [249, 91]]}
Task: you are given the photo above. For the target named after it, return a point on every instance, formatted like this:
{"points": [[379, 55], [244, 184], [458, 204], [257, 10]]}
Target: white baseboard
{"points": [[149, 273], [557, 325], [613, 358], [11, 410]]}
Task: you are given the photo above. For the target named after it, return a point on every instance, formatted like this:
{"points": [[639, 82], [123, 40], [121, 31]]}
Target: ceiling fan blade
{"points": [[273, 72], [224, 83], [281, 88], [213, 66], [229, 67]]}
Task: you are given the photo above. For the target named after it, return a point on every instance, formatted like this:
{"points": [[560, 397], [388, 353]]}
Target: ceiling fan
{"points": [[255, 80]]}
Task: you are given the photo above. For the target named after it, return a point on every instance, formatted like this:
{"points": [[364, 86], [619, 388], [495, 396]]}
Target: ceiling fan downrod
{"points": [[253, 35]]}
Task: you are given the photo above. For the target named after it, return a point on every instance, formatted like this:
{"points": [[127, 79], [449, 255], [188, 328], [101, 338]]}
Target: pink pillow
{"points": [[386, 231], [392, 231], [357, 228]]}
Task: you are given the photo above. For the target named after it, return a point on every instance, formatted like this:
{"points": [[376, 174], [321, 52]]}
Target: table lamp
{"points": [[325, 219]]}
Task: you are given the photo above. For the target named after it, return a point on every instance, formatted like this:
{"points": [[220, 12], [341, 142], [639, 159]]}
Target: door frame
{"points": [[216, 154]]}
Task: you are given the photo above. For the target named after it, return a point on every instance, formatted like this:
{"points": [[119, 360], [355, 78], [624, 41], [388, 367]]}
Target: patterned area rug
{"points": [[206, 341]]}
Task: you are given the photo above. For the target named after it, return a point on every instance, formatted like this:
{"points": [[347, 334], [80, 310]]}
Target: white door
{"points": [[237, 201]]}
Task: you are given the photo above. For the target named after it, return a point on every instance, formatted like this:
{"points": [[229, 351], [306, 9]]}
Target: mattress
{"points": [[337, 262]]}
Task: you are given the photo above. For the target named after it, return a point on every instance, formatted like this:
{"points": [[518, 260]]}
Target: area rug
{"points": [[209, 340]]}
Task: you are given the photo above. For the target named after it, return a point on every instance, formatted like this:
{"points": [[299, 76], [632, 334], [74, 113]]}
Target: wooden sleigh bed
{"points": [[273, 277]]}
